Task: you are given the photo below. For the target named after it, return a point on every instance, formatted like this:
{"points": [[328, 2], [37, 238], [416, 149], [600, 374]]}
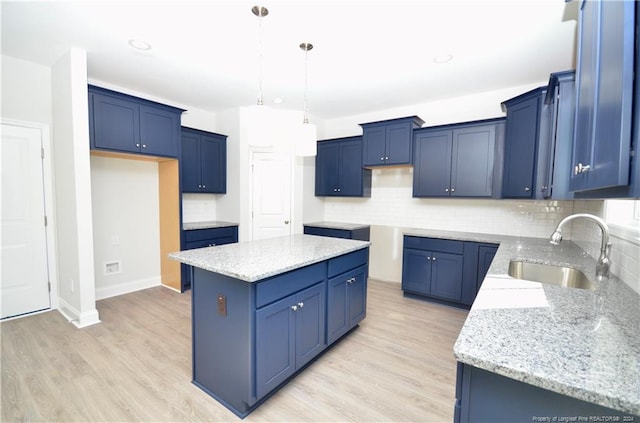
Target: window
{"points": [[623, 218]]}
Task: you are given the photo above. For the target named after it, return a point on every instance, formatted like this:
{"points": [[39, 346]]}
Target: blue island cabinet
{"points": [[250, 338]]}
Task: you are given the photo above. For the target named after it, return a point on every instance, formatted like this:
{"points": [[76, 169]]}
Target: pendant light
{"points": [[259, 133], [307, 144]]}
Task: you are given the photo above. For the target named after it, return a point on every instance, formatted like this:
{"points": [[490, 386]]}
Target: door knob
{"points": [[286, 222]]}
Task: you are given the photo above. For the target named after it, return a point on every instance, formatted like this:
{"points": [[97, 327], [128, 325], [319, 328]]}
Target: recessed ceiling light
{"points": [[443, 58], [278, 100], [139, 45]]}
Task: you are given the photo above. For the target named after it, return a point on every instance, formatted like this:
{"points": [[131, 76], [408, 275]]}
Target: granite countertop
{"points": [[337, 225], [580, 343], [252, 261], [188, 226]]}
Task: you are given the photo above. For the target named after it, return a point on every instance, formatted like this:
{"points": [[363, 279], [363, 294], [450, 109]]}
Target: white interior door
{"points": [[24, 287], [271, 195]]}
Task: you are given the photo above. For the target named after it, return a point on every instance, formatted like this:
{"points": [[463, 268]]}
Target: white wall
{"points": [[73, 188], [26, 91], [126, 224]]}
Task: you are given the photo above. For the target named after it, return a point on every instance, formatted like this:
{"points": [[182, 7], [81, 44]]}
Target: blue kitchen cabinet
{"points": [[433, 267], [456, 160], [339, 171], [486, 254], [561, 100], [483, 396], [203, 165], [607, 33], [250, 338], [346, 302], [389, 142], [360, 233], [127, 124], [289, 333], [201, 238], [526, 134]]}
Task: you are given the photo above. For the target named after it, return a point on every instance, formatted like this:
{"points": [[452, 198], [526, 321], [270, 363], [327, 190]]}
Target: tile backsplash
{"points": [[392, 205], [198, 207]]}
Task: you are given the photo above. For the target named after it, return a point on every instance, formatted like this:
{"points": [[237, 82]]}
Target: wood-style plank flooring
{"points": [[135, 366]]}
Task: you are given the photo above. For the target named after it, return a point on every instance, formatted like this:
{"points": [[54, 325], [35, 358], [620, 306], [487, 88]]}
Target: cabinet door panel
{"points": [[275, 345], [159, 131], [310, 324], [374, 148], [486, 254], [520, 149], [472, 161], [357, 295], [190, 163], [337, 311], [116, 123], [398, 137], [432, 164], [446, 276], [212, 160], [327, 169], [350, 169], [416, 271]]}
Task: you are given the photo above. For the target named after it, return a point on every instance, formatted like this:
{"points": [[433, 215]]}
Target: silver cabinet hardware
{"points": [[286, 222], [527, 189], [580, 169], [300, 304], [446, 190], [453, 190], [294, 307], [138, 145]]}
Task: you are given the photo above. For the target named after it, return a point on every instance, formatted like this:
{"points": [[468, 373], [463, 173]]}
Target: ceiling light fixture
{"points": [[139, 45], [443, 58], [307, 145], [259, 135]]}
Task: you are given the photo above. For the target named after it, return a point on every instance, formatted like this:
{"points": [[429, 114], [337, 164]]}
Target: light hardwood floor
{"points": [[398, 366]]}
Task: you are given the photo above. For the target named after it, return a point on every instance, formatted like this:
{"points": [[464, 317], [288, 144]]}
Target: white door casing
{"points": [[24, 285], [270, 195]]}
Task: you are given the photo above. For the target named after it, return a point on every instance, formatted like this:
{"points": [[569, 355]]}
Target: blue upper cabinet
{"points": [[456, 160], [123, 123], [526, 115], [203, 164], [339, 171], [605, 87], [389, 142]]}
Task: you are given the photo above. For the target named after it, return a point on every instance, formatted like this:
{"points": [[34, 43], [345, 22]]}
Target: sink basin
{"points": [[547, 273]]}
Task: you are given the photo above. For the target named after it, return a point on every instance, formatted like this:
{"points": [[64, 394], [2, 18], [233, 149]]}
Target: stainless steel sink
{"points": [[547, 273]]}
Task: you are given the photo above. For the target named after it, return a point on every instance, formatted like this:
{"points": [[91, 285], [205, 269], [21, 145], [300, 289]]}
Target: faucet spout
{"points": [[604, 263]]}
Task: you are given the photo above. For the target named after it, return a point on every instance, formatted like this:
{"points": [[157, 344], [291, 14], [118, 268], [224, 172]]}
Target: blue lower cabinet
{"points": [[289, 333], [444, 270], [346, 302], [483, 396], [361, 234], [249, 339], [201, 238]]}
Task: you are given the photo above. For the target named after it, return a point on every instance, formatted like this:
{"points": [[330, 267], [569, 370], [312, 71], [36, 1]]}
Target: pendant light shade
{"points": [[308, 135], [259, 122]]}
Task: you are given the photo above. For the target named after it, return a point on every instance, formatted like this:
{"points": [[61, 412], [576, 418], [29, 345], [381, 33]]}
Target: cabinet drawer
{"points": [[205, 234], [348, 261], [434, 244], [288, 283]]}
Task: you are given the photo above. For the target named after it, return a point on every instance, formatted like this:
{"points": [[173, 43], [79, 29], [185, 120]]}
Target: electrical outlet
{"points": [[112, 267]]}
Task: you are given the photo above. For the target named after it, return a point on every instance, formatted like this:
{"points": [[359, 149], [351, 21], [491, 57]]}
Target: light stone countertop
{"points": [[580, 343], [189, 226], [252, 261], [337, 225]]}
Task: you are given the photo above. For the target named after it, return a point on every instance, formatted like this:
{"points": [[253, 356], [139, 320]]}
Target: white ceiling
{"points": [[367, 56]]}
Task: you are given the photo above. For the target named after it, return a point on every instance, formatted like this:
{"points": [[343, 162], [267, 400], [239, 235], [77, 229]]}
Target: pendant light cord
{"points": [[260, 101], [306, 47]]}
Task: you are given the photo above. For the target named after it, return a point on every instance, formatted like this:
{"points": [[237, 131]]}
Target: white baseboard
{"points": [[73, 315], [127, 287]]}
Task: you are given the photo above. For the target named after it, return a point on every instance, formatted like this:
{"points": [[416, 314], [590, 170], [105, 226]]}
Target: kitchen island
{"points": [[263, 310]]}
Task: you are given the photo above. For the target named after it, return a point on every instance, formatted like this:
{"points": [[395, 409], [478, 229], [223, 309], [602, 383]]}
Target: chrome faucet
{"points": [[602, 267]]}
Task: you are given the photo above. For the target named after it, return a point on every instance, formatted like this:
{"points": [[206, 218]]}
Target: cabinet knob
{"points": [[544, 188], [338, 190], [433, 259], [386, 158], [300, 304], [137, 145], [286, 222], [204, 186], [446, 190], [580, 169], [381, 158], [144, 145], [453, 189], [527, 189], [351, 280], [294, 307]]}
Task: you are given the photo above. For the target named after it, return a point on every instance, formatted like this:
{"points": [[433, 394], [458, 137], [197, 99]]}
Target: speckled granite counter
{"points": [[188, 226], [583, 344], [251, 261], [337, 225]]}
